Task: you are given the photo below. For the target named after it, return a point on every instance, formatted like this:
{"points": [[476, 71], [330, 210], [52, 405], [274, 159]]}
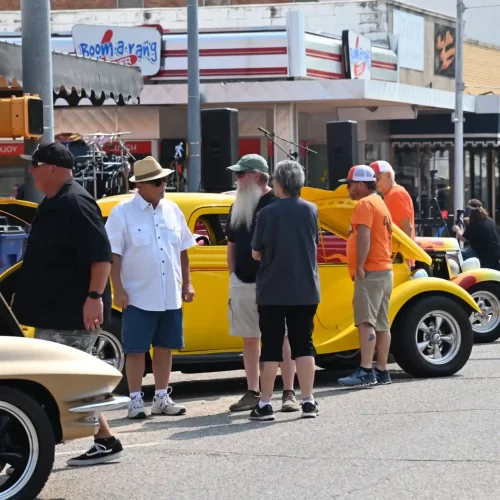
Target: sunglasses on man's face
{"points": [[156, 182], [36, 164], [240, 175]]}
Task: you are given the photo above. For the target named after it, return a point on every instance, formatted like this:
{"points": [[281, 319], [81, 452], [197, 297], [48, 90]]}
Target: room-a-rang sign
{"points": [[124, 45]]}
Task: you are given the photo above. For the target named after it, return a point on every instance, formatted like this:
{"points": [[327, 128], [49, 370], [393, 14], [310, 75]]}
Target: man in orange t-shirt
{"points": [[396, 198], [369, 260]]}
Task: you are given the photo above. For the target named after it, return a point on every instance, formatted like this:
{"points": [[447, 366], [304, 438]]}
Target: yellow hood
{"points": [[335, 213]]}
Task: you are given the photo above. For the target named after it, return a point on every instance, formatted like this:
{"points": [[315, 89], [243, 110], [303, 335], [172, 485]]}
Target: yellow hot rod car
{"points": [[432, 334]]}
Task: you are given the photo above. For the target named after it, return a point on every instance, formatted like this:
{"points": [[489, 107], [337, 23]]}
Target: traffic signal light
{"points": [[21, 117]]}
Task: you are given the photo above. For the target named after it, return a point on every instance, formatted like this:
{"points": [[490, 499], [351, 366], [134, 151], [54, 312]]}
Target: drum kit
{"points": [[102, 164]]}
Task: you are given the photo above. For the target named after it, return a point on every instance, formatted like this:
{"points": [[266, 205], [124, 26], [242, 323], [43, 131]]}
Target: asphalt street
{"points": [[415, 439]]}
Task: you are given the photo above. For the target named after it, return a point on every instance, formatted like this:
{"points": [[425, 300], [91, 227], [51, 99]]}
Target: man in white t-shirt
{"points": [[150, 275]]}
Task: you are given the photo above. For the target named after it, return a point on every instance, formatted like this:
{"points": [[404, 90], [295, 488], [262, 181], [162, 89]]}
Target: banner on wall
{"points": [[444, 50], [11, 149], [357, 55], [130, 46]]}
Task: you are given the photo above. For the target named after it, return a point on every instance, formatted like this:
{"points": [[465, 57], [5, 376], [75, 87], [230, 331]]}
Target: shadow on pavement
{"points": [[228, 422]]}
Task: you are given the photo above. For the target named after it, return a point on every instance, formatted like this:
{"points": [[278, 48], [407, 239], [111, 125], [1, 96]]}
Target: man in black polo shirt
{"points": [[65, 271], [253, 194]]}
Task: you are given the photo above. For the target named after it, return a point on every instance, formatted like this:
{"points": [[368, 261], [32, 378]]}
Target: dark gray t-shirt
{"points": [[286, 235]]}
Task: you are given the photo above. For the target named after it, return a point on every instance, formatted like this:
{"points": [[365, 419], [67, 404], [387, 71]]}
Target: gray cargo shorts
{"points": [[83, 340]]}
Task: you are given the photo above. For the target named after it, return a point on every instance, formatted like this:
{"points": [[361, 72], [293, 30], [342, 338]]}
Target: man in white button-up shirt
{"points": [[150, 275]]}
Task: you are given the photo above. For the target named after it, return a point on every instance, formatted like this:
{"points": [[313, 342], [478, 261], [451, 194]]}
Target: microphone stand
{"points": [[291, 156]]}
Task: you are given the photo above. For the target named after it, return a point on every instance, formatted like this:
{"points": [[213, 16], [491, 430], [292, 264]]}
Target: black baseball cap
{"points": [[53, 153]]}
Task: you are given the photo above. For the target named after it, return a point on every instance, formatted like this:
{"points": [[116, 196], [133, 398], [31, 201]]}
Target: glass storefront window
{"points": [[478, 171], [317, 166], [425, 173]]}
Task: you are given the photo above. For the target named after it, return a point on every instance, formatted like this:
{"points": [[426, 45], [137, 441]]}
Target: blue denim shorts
{"points": [[142, 329]]}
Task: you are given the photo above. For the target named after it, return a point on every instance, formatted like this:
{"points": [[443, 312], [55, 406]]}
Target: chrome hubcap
{"points": [[108, 348], [438, 337], [19, 449], [489, 317]]}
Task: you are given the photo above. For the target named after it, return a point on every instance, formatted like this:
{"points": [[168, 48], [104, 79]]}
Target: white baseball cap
{"points": [[381, 167], [359, 173]]}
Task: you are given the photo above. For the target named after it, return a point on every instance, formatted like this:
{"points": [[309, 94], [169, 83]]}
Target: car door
{"points": [[206, 326]]}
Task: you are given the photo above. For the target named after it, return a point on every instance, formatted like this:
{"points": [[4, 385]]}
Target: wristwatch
{"points": [[95, 295]]}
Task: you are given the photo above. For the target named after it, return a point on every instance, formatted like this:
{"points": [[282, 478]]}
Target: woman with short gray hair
{"points": [[285, 240]]}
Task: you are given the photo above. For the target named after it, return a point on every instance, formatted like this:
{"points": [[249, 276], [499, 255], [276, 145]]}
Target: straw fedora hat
{"points": [[148, 170]]}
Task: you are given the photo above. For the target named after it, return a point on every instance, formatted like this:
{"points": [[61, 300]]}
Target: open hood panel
{"points": [[23, 211], [335, 212]]}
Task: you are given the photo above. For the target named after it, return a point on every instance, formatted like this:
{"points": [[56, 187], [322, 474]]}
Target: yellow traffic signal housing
{"points": [[21, 117]]}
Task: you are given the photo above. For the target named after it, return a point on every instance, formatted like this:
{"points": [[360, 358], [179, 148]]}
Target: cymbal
{"points": [[68, 137]]}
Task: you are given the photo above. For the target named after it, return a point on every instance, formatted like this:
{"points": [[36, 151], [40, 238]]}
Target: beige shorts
{"points": [[242, 311], [371, 299]]}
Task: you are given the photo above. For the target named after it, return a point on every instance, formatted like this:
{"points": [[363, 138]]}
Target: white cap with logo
{"points": [[359, 173], [381, 167]]}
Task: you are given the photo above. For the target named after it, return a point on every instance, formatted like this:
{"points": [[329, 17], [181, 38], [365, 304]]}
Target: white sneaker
{"points": [[166, 406], [136, 410]]}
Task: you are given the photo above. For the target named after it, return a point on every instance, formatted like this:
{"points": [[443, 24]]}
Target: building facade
{"points": [[287, 74]]}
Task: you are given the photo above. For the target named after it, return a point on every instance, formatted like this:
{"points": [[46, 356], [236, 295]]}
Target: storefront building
{"points": [[291, 80], [73, 79]]}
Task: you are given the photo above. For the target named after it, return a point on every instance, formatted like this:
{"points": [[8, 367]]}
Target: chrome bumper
{"points": [[98, 407]]}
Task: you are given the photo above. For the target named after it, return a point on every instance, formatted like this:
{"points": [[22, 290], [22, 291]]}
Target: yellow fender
{"points": [[474, 276], [413, 288]]}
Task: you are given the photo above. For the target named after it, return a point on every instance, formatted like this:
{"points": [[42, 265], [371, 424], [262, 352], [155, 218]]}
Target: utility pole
{"points": [[458, 188], [37, 75], [194, 129]]}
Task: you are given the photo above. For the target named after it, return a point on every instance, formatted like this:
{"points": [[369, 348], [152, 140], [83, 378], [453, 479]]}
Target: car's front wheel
{"points": [[27, 446], [432, 337], [108, 348], [486, 324]]}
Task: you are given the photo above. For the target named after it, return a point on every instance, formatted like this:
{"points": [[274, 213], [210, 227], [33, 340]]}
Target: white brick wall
{"points": [[330, 17]]}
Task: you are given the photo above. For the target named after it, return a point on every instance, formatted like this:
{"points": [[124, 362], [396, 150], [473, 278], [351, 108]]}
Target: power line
{"points": [[483, 6]]}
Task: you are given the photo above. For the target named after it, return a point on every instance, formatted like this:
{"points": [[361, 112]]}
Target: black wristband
{"points": [[95, 295]]}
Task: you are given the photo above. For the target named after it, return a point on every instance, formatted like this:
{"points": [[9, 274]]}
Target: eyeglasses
{"points": [[36, 164], [156, 182], [240, 175]]}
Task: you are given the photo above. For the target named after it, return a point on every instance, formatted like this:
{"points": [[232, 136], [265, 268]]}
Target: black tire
{"points": [[347, 360], [41, 429], [404, 338], [340, 361], [491, 291]]}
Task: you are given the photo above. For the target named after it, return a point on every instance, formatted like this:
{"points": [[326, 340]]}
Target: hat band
{"points": [[145, 176]]}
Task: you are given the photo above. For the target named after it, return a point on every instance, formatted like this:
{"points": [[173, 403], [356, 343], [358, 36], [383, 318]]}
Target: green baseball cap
{"points": [[250, 162]]}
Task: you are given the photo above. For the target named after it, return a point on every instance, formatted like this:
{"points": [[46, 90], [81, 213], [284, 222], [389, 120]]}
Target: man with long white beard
{"points": [[253, 194]]}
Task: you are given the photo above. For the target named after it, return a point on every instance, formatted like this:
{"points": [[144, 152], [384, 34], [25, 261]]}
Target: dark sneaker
{"points": [[359, 378], [248, 402], [264, 414], [310, 410], [383, 377], [102, 451], [289, 403]]}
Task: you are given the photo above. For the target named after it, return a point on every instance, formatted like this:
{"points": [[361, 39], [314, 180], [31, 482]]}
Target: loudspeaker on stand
{"points": [[342, 147], [219, 148]]}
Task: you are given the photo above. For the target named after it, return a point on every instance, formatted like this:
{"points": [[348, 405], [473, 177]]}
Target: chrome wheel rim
{"points": [[109, 349], [489, 317], [438, 337], [19, 448]]}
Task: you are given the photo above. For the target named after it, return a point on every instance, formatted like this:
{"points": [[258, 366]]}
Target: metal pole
{"points": [[194, 129], [458, 188], [37, 75]]}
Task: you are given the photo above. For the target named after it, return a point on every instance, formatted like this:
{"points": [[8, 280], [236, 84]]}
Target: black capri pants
{"points": [[299, 321]]}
